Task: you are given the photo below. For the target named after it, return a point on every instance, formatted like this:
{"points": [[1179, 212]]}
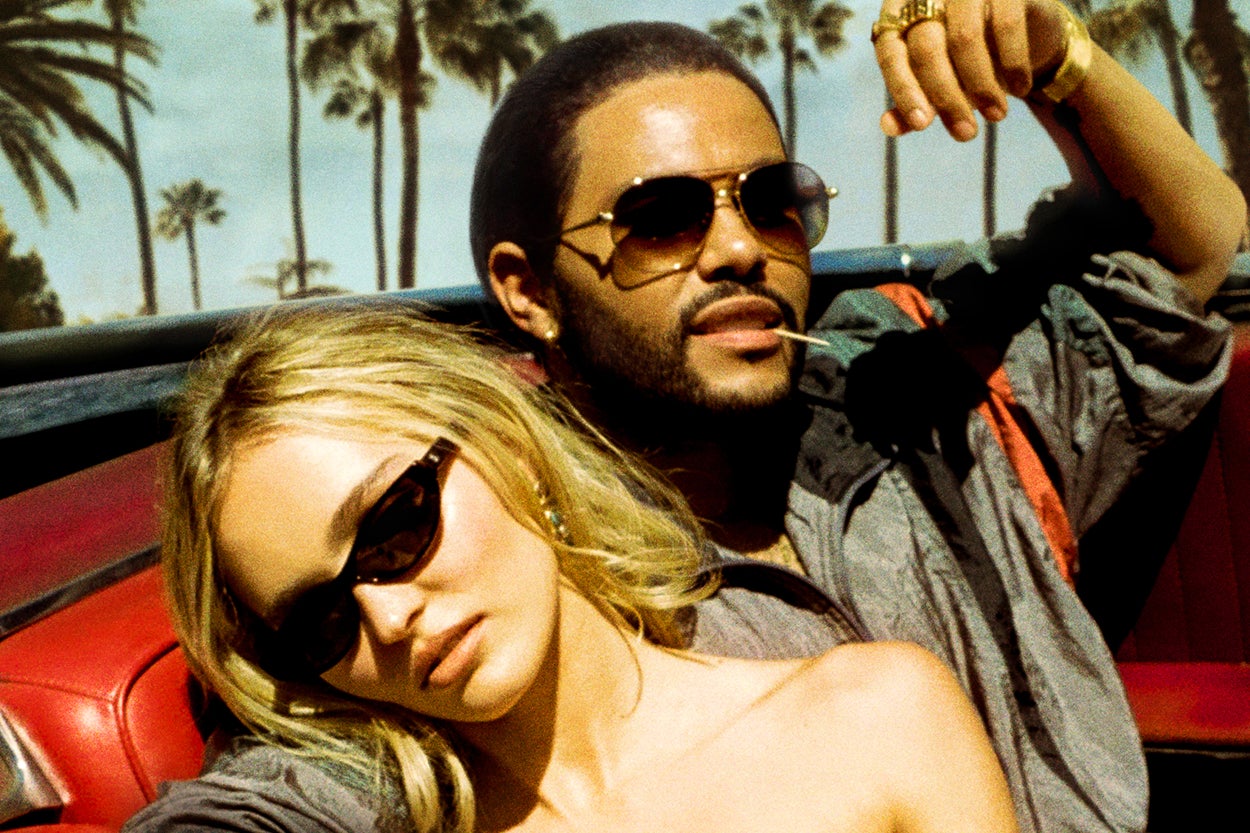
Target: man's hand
{"points": [[951, 57]]}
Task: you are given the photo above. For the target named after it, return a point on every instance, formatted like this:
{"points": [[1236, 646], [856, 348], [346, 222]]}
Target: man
{"points": [[925, 472]]}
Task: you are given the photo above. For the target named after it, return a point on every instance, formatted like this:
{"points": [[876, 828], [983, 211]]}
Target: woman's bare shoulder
{"points": [[850, 686], [860, 670], [878, 696], [885, 721], [876, 670]]}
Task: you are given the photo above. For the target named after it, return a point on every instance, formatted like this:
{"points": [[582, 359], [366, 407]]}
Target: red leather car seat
{"points": [[100, 692], [97, 691], [1185, 664]]}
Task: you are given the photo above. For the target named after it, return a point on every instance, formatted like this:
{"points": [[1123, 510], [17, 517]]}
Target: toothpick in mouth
{"points": [[799, 336]]}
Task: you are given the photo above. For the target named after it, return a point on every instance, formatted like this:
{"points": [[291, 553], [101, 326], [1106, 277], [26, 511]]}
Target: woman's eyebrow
{"points": [[342, 527], [343, 524]]}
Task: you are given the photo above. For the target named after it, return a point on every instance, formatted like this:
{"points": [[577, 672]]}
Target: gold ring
{"points": [[886, 23], [912, 13]]}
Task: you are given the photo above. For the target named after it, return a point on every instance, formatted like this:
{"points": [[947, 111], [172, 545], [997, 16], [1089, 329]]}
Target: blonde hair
{"points": [[367, 369]]}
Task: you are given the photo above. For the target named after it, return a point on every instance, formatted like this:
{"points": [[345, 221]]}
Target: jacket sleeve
{"points": [[255, 788], [1107, 355]]}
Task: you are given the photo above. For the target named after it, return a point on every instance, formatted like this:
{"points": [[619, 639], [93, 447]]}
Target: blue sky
{"points": [[220, 114]]}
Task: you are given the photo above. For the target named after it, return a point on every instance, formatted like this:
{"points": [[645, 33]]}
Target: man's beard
{"points": [[640, 383]]}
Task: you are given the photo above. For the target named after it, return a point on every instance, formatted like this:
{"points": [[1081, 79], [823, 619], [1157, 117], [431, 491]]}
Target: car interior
{"points": [[98, 708]]}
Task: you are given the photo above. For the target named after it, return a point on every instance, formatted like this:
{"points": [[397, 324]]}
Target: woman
{"points": [[440, 602]]}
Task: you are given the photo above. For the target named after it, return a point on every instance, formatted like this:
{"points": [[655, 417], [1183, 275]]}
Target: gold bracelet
{"points": [[1078, 52]]}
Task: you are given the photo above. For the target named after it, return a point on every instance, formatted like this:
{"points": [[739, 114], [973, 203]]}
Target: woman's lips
{"points": [[449, 655]]}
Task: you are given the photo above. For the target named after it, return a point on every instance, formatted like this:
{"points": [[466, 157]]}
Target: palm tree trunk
{"points": [[408, 51], [291, 12], [194, 259], [1213, 52], [1169, 44], [787, 85], [990, 183], [891, 183], [134, 175], [377, 113]]}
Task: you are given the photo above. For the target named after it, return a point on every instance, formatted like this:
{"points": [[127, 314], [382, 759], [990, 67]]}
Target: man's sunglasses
{"points": [[323, 623], [659, 225]]}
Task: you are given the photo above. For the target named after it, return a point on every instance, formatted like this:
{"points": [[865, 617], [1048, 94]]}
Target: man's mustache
{"points": [[729, 289]]}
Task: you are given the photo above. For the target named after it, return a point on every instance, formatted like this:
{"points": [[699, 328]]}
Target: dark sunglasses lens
{"points": [[660, 223], [399, 528], [317, 633], [324, 623], [788, 206]]}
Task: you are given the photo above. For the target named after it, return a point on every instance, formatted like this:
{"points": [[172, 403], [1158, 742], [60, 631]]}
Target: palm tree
{"points": [[1219, 52], [478, 41], [408, 56], [989, 180], [124, 13], [1126, 28], [747, 35], [891, 181], [41, 59], [25, 145], [357, 58], [266, 11], [185, 205], [284, 273], [473, 39], [399, 20], [296, 13]]}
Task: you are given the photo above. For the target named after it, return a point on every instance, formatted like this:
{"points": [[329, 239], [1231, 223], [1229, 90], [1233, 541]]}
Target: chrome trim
{"points": [[24, 787]]}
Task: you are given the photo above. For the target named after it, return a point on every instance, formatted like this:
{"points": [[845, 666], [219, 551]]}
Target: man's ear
{"points": [[520, 292]]}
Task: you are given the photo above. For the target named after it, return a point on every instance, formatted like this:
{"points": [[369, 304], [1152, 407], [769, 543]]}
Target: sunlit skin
{"points": [[575, 724], [936, 73], [489, 592], [569, 722], [984, 53], [726, 352]]}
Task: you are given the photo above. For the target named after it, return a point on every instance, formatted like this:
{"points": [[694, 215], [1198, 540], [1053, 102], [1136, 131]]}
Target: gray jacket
{"points": [[961, 444], [916, 520]]}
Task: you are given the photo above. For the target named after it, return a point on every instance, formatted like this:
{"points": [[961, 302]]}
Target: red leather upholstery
{"points": [[63, 529], [1185, 663], [99, 689], [1190, 703]]}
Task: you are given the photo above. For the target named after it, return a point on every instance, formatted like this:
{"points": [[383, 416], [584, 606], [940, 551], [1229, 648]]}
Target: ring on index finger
{"points": [[912, 12], [886, 23]]}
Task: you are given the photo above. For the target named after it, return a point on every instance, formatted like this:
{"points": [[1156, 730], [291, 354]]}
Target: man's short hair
{"points": [[527, 156]]}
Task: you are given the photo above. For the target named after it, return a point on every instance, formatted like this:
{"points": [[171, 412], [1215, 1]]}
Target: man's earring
{"points": [[551, 334]]}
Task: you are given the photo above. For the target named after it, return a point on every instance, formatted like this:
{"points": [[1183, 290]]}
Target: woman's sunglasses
{"points": [[323, 623], [659, 225]]}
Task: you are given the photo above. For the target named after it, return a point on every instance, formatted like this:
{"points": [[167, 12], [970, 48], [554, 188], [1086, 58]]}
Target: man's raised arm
{"points": [[948, 59]]}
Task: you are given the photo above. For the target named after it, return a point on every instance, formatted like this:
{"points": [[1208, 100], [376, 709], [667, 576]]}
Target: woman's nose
{"points": [[388, 612], [731, 250]]}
